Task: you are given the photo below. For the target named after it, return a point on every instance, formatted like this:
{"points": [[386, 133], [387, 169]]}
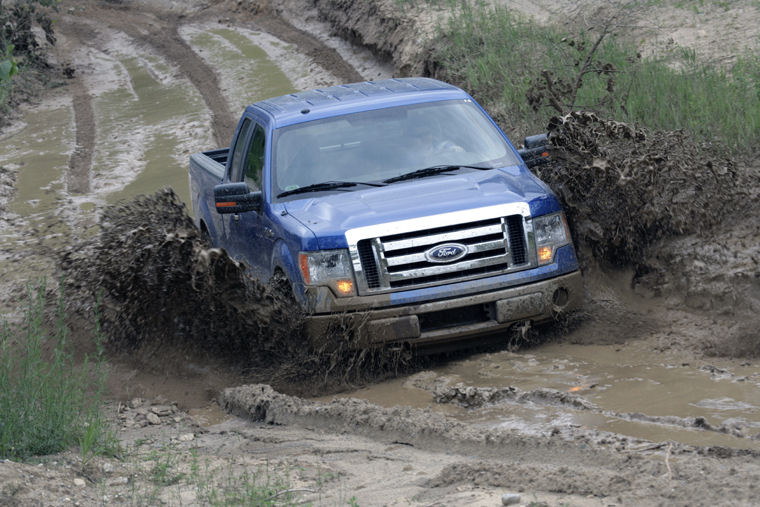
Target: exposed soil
{"points": [[665, 227]]}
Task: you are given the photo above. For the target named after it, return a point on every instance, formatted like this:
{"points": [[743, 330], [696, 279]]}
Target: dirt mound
{"points": [[160, 285], [624, 187]]}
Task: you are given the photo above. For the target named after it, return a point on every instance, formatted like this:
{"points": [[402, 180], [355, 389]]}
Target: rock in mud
{"points": [[510, 499]]}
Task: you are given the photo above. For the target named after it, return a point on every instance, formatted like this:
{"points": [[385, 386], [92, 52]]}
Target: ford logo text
{"points": [[448, 252]]}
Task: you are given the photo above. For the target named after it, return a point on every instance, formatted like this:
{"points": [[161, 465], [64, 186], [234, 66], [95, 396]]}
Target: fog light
{"points": [[345, 286], [544, 254], [560, 297]]}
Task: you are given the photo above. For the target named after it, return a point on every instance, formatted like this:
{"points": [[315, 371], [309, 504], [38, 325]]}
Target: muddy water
{"points": [[38, 149], [246, 71], [148, 119], [623, 383]]}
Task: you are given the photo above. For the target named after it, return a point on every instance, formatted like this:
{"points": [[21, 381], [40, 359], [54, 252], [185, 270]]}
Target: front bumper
{"points": [[454, 318]]}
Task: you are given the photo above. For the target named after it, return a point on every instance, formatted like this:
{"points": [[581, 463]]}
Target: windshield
{"points": [[374, 146]]}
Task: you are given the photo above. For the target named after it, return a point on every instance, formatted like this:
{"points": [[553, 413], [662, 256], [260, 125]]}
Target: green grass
{"points": [[500, 58], [47, 402], [171, 476], [8, 69]]}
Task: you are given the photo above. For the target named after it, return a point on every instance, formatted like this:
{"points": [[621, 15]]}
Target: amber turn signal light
{"points": [[345, 286], [544, 254]]}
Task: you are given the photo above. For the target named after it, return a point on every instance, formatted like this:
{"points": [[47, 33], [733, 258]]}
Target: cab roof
{"points": [[355, 97]]}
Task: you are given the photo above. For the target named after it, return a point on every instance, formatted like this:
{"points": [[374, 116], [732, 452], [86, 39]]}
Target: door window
{"points": [[255, 159], [236, 167]]}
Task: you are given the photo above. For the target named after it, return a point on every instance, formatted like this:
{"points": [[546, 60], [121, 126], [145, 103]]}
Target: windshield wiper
{"points": [[327, 185], [430, 171]]}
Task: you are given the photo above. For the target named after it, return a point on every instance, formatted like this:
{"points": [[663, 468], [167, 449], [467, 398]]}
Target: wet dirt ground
{"points": [[625, 408]]}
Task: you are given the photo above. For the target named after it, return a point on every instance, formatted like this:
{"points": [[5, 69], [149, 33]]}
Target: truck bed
{"points": [[206, 170], [213, 161]]}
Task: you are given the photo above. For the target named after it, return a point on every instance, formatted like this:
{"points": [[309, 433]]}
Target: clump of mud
{"points": [[624, 187], [159, 284], [475, 397], [7, 187]]}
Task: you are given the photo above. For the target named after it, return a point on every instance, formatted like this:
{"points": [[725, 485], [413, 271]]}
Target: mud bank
{"points": [[394, 35], [472, 397], [7, 188]]}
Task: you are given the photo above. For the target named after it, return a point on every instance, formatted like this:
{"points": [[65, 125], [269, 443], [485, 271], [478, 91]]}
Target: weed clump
{"points": [[47, 402], [20, 50]]}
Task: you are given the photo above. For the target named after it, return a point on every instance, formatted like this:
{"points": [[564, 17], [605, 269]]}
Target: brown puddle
{"points": [[633, 391], [209, 415]]}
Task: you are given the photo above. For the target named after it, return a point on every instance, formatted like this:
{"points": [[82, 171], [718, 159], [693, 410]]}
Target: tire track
{"points": [[80, 162], [171, 46], [309, 45], [161, 33]]}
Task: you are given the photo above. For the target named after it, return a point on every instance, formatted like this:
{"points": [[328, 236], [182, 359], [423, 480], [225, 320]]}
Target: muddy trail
{"points": [[654, 384]]}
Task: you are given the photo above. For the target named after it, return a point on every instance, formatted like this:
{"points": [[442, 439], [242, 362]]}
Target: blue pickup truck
{"points": [[397, 206]]}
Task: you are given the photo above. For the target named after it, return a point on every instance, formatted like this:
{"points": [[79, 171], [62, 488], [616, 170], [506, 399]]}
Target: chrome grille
{"points": [[516, 239], [367, 256], [395, 261]]}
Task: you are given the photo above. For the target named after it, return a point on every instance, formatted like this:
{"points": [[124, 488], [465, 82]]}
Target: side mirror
{"points": [[536, 151], [236, 198]]}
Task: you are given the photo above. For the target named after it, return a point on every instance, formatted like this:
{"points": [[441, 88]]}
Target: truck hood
{"points": [[329, 216]]}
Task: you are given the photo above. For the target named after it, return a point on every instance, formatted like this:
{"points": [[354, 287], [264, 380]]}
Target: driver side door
{"points": [[250, 232]]}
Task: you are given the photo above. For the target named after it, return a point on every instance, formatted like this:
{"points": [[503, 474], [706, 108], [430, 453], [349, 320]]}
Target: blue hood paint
{"points": [[330, 215]]}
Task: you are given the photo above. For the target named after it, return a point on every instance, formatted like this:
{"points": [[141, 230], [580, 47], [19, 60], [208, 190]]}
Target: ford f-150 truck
{"points": [[397, 204]]}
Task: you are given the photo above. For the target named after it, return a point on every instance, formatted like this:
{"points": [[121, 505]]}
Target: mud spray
{"points": [[624, 188], [160, 289]]}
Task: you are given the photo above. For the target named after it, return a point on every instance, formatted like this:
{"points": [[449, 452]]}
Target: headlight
{"points": [[328, 267], [551, 232]]}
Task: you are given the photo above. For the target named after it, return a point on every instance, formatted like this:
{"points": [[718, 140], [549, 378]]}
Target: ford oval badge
{"points": [[448, 252]]}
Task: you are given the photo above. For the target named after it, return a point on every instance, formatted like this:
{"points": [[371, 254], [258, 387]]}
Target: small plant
{"points": [[163, 472], [8, 69], [47, 401]]}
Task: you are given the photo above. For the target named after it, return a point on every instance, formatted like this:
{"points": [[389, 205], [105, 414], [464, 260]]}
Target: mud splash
{"points": [[624, 187], [160, 286], [157, 279]]}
